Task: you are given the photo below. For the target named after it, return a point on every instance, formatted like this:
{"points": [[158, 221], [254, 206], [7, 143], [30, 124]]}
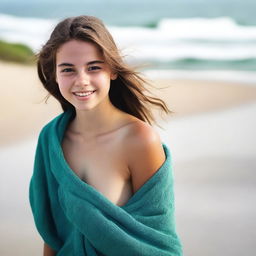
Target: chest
{"points": [[102, 165]]}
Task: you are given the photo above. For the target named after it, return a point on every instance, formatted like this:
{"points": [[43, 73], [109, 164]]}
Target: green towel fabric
{"points": [[74, 218]]}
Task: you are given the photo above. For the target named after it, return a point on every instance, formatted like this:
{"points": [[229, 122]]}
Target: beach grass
{"points": [[16, 52]]}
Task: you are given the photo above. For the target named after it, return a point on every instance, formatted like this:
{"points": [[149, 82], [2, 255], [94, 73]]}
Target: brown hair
{"points": [[126, 91]]}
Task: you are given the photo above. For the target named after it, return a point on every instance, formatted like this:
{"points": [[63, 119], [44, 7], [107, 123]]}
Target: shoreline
{"points": [[224, 76], [193, 97]]}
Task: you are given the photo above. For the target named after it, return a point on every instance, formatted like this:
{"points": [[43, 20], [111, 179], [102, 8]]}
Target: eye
{"points": [[92, 68], [65, 70]]}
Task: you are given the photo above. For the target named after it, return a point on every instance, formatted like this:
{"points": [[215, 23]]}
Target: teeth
{"points": [[83, 94]]}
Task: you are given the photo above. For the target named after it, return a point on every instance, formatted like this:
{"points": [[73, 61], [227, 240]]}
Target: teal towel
{"points": [[73, 218]]}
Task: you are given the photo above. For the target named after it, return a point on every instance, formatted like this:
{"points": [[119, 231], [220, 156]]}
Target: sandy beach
{"points": [[23, 97], [212, 141]]}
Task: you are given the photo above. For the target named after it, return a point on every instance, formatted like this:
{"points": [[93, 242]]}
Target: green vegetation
{"points": [[151, 24], [16, 53]]}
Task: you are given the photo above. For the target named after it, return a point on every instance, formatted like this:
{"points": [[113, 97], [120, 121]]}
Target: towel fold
{"points": [[74, 218]]}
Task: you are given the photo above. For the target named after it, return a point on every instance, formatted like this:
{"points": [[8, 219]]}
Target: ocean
{"points": [[181, 35]]}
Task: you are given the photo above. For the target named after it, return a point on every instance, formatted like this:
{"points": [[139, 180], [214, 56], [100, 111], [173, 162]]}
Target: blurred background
{"points": [[201, 57]]}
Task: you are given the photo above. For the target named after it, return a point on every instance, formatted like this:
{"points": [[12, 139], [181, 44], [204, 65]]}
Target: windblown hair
{"points": [[127, 91]]}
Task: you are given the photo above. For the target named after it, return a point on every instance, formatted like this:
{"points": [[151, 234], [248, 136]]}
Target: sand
{"points": [[213, 146], [22, 106], [23, 111], [214, 162]]}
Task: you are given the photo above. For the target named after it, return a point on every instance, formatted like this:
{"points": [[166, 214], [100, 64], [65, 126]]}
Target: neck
{"points": [[94, 122]]}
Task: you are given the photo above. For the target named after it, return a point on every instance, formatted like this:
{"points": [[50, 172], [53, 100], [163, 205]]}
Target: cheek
{"points": [[104, 80], [62, 81], [104, 85], [64, 87], [58, 77]]}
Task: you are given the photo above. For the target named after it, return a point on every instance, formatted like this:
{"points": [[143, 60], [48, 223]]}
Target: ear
{"points": [[113, 76]]}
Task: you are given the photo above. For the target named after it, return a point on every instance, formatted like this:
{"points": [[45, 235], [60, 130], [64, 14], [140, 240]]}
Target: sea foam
{"points": [[216, 39]]}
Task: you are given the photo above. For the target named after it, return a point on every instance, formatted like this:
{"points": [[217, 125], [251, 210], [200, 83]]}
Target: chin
{"points": [[84, 108]]}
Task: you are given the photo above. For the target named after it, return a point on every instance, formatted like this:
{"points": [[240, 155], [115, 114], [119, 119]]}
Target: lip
{"points": [[84, 91], [82, 98]]}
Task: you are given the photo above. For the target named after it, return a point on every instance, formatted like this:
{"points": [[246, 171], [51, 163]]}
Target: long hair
{"points": [[127, 91]]}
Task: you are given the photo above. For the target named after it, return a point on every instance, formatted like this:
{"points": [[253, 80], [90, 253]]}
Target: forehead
{"points": [[76, 50]]}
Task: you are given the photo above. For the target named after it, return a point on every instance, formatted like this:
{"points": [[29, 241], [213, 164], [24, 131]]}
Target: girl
{"points": [[100, 153]]}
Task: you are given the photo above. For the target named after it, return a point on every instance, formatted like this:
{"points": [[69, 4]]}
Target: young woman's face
{"points": [[82, 75]]}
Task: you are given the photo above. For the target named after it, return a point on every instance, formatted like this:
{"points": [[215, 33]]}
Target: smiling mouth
{"points": [[83, 94]]}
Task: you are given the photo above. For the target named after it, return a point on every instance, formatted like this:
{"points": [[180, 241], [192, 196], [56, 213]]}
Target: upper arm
{"points": [[144, 152], [41, 197], [48, 251]]}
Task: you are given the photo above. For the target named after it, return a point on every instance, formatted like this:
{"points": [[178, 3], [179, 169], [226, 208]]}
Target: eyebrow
{"points": [[88, 63]]}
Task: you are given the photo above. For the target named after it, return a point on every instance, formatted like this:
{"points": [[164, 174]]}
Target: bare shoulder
{"points": [[141, 135], [144, 152]]}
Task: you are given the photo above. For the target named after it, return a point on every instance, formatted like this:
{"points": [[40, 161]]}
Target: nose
{"points": [[82, 78]]}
